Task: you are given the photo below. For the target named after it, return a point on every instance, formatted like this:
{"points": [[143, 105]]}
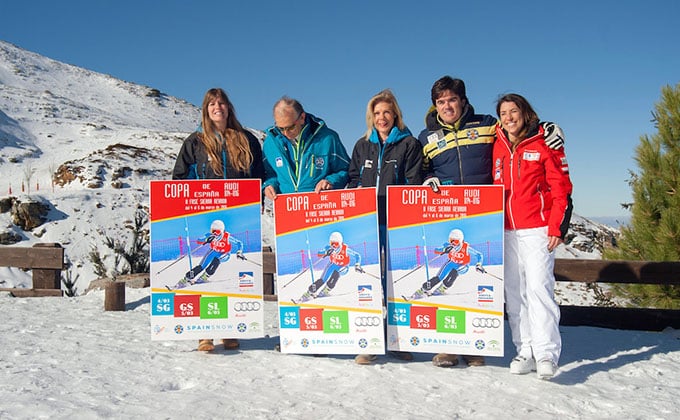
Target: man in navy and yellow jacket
{"points": [[457, 143], [458, 150]]}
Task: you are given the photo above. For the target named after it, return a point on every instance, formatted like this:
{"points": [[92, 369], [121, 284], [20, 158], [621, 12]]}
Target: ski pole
{"points": [[483, 270], [362, 271], [177, 260], [243, 257], [418, 267], [299, 274], [296, 277]]}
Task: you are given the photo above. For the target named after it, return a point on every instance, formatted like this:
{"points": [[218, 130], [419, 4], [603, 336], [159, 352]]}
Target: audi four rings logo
{"points": [[367, 321], [247, 306], [486, 322]]}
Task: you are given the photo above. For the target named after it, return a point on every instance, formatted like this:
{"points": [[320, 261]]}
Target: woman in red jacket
{"points": [[537, 212]]}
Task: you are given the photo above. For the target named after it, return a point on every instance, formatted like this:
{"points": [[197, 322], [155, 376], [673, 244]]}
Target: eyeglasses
{"points": [[290, 127]]}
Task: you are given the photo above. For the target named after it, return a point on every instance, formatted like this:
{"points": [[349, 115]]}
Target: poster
{"points": [[445, 270], [206, 259], [328, 272]]}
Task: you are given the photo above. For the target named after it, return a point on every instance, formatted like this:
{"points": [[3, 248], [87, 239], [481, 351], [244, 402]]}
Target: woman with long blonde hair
{"points": [[387, 154]]}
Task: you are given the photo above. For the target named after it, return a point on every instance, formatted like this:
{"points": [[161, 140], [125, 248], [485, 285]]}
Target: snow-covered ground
{"points": [[66, 358]]}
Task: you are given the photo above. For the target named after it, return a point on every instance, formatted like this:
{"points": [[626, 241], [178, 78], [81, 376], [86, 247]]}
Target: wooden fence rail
{"points": [[45, 259], [585, 271], [603, 271]]}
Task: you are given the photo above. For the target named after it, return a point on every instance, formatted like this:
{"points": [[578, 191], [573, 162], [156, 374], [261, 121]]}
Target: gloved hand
{"points": [[448, 249], [479, 268], [329, 251], [433, 183], [240, 256], [554, 136], [357, 268]]}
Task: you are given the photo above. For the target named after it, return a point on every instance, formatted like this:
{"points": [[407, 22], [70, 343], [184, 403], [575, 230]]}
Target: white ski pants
{"points": [[533, 314]]}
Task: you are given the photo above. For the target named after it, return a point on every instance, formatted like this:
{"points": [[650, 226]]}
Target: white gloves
{"points": [[433, 183]]}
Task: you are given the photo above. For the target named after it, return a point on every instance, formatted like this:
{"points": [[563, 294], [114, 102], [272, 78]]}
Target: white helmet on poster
{"points": [[456, 237], [217, 226], [335, 240]]}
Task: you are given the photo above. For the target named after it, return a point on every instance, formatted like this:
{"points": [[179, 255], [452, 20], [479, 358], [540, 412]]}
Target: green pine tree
{"points": [[654, 230]]}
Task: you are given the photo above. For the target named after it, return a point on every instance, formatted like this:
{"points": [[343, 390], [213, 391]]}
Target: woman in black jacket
{"points": [[386, 155], [220, 149]]}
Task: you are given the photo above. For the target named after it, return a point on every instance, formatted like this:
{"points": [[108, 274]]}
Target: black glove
{"points": [[240, 256], [448, 249], [357, 268], [479, 268]]}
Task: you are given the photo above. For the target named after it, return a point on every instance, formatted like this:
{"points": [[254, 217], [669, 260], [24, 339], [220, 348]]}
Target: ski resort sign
{"points": [[445, 270], [328, 272], [206, 259]]}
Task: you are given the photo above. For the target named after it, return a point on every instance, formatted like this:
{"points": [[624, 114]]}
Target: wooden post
{"points": [[268, 270], [49, 278], [114, 296]]}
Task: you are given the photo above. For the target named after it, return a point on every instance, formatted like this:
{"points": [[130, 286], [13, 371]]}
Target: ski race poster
{"points": [[206, 259], [328, 272], [445, 270]]}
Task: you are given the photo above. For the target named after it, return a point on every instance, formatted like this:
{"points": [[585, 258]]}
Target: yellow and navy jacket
{"points": [[460, 154]]}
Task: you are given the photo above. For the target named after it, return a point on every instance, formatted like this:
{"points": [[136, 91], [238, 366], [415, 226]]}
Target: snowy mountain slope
{"points": [[87, 145], [104, 138]]}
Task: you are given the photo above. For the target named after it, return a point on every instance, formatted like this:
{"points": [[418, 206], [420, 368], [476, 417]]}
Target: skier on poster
{"points": [[222, 245], [459, 253], [340, 257]]}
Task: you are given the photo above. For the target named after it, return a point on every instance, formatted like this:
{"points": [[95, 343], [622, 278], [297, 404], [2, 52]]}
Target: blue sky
{"points": [[595, 67]]}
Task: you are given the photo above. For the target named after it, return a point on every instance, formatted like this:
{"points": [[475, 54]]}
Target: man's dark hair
{"points": [[456, 86]]}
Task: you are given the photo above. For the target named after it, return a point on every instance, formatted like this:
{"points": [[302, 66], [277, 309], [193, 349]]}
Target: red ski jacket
{"points": [[537, 185]]}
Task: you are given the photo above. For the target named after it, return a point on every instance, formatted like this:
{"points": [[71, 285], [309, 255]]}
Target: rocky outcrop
{"points": [[28, 215]]}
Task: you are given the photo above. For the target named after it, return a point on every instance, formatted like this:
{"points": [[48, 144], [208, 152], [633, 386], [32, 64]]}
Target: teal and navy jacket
{"points": [[319, 154], [459, 154]]}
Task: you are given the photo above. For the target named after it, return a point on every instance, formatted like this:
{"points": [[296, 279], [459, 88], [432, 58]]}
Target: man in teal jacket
{"points": [[301, 154]]}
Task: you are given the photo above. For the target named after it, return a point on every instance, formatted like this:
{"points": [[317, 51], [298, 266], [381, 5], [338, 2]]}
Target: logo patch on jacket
{"points": [[368, 163], [473, 134], [497, 169], [435, 136], [529, 155], [279, 162], [319, 162]]}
